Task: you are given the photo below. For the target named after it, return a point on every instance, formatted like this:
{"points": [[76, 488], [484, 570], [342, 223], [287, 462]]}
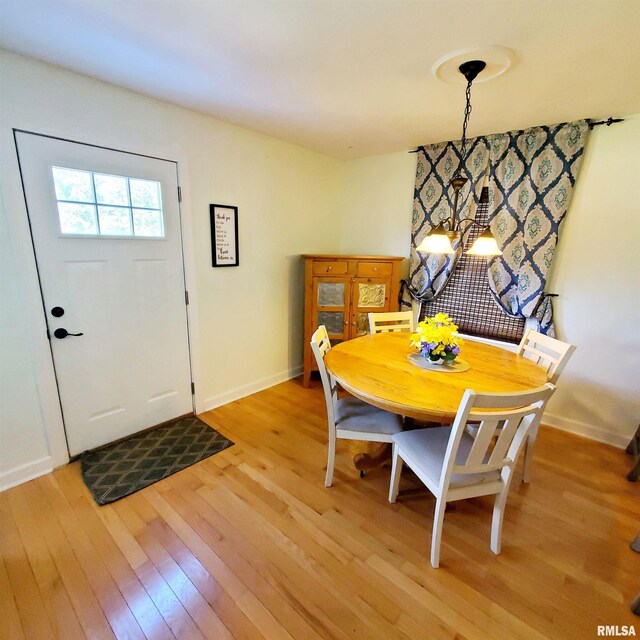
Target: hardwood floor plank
{"points": [[463, 606], [56, 601], [191, 530], [235, 620], [175, 615], [138, 600], [249, 545], [10, 626], [85, 604], [335, 608], [23, 587], [126, 541], [120, 617], [191, 599], [253, 569]]}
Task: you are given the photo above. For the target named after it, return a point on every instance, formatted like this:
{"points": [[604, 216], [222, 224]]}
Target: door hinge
{"points": [[179, 194], [186, 297], [193, 388]]}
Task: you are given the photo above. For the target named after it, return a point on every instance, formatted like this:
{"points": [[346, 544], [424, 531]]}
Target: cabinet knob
{"points": [[329, 269], [375, 268]]}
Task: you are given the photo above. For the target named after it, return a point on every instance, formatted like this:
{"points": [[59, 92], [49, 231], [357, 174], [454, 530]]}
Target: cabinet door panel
{"points": [[332, 320], [361, 324], [372, 295], [331, 294], [331, 302], [367, 295]]}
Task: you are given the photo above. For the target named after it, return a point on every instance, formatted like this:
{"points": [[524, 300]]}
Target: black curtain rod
{"points": [[609, 121]]}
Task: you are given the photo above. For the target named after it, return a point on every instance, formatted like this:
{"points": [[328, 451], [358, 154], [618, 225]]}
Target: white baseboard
{"points": [[248, 389], [25, 472], [586, 430]]}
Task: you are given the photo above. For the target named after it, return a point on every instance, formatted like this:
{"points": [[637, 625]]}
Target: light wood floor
{"points": [[249, 544]]}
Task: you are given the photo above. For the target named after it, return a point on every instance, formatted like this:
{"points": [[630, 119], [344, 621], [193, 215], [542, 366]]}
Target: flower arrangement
{"points": [[437, 340]]}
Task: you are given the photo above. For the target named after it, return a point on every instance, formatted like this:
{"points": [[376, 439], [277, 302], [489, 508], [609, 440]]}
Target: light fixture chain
{"points": [[467, 113]]}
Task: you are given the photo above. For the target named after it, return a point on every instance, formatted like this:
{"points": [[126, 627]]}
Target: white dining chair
{"points": [[349, 418], [391, 321], [454, 465], [552, 355]]}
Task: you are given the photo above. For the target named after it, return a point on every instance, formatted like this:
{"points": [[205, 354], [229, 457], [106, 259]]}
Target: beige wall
{"points": [[375, 202], [23, 439], [597, 276], [596, 272], [285, 196]]}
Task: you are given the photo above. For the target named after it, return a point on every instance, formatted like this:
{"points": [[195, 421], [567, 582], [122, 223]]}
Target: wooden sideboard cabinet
{"points": [[339, 293]]}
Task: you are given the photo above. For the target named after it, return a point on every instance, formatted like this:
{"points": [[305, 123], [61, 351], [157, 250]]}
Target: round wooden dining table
{"points": [[377, 369]]}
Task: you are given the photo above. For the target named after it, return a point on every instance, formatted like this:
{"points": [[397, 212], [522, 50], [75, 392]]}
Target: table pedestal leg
{"points": [[375, 455]]}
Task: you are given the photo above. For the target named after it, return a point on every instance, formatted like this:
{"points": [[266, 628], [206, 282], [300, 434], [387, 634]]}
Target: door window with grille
{"points": [[98, 204]]}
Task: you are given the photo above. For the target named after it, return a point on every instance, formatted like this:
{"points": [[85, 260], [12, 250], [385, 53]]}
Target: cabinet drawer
{"points": [[334, 268], [374, 268]]}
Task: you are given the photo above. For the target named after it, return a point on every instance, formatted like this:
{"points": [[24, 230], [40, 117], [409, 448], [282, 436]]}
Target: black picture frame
{"points": [[224, 223]]}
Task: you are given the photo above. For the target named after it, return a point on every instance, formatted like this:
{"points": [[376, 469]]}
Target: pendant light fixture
{"points": [[441, 238]]}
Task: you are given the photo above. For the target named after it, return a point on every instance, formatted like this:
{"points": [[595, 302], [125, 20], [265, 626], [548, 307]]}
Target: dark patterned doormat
{"points": [[116, 471]]}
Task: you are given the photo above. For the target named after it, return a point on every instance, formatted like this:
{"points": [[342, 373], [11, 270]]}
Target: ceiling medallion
{"points": [[498, 60]]}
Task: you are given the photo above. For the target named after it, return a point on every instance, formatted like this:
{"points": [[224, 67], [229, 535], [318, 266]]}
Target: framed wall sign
{"points": [[224, 235]]}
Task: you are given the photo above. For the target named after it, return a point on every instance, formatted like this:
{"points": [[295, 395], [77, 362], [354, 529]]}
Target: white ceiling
{"points": [[348, 78]]}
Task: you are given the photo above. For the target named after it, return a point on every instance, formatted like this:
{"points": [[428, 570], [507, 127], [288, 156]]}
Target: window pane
{"points": [[72, 185], [148, 223], [145, 193], [111, 189], [77, 218], [115, 221]]}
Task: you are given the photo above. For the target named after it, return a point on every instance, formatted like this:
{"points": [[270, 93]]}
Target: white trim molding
{"points": [[25, 472], [248, 389], [586, 430]]}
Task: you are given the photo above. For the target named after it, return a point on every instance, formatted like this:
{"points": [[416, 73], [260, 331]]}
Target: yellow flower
{"points": [[415, 340], [439, 330]]}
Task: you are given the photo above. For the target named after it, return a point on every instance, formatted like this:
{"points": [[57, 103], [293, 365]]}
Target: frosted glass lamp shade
{"points": [[436, 241], [485, 245]]}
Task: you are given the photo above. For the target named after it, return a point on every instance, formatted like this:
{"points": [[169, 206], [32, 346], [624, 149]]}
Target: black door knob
{"points": [[63, 333], [57, 312]]}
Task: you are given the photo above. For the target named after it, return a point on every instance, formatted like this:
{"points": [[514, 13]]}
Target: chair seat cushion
{"points": [[427, 447], [355, 415]]}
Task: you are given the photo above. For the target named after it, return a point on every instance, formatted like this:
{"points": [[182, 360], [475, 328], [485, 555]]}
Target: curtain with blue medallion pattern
{"points": [[432, 203], [530, 176]]}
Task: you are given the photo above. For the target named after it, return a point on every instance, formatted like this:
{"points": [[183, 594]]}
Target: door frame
{"points": [[44, 366]]}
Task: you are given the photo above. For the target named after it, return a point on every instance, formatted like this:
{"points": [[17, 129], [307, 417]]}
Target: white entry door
{"points": [[107, 238]]}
